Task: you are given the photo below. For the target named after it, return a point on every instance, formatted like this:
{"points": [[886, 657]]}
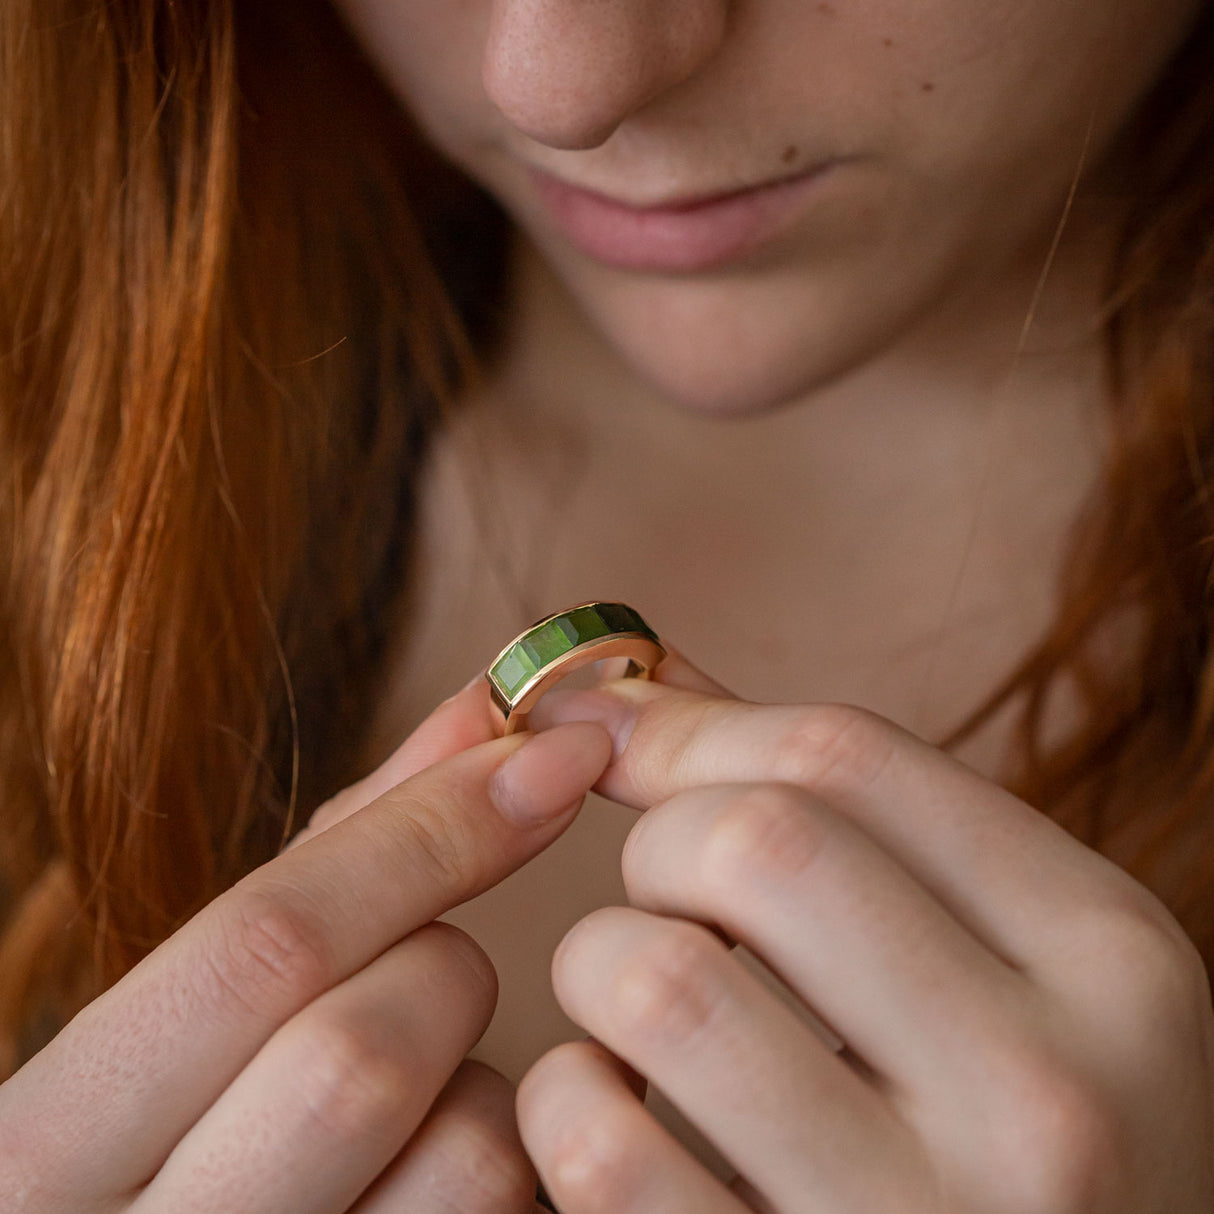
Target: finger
{"points": [[841, 922], [462, 720], [750, 1196], [598, 1148], [334, 1094], [1002, 868], [674, 671], [637, 1083], [466, 1158], [159, 1047], [793, 1118]]}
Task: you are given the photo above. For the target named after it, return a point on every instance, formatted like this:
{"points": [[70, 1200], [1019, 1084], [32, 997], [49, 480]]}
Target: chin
{"points": [[727, 394], [745, 346], [705, 373]]}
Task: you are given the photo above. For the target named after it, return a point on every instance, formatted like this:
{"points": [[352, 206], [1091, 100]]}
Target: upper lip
{"points": [[679, 201]]}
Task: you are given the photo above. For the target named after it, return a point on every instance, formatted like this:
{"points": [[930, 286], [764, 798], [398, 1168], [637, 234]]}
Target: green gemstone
{"points": [[617, 617], [513, 669], [588, 623], [546, 644], [549, 640]]}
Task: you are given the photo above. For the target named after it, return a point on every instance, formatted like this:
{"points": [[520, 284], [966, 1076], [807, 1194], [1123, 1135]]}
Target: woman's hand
{"points": [[1027, 1029], [298, 1045]]}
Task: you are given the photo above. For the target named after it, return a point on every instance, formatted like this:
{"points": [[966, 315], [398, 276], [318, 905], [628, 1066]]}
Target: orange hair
{"points": [[223, 345], [228, 278], [1133, 631]]}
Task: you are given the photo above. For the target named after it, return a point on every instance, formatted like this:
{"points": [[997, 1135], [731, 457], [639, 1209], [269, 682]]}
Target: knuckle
{"points": [[1146, 956], [1149, 930], [594, 1165], [265, 950], [348, 1079], [1066, 1145], [435, 847], [670, 989], [767, 832], [834, 748], [676, 748]]}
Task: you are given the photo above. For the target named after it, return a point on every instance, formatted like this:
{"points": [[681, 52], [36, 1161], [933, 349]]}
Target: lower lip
{"points": [[697, 236]]}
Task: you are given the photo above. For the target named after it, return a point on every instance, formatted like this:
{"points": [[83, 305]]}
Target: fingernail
{"points": [[614, 713], [549, 773]]}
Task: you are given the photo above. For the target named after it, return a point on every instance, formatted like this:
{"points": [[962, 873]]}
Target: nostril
{"points": [[567, 73], [565, 93], [551, 107]]}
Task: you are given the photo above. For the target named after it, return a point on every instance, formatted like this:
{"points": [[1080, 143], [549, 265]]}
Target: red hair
{"points": [[220, 292], [1132, 636], [216, 301]]}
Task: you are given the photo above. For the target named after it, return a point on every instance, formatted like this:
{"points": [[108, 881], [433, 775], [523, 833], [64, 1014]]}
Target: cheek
{"points": [[1014, 86]]}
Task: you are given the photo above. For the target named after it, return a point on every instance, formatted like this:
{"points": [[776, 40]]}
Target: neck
{"points": [[913, 513], [1005, 365]]}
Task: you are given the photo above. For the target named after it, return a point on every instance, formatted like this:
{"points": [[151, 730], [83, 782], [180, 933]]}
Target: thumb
{"points": [[466, 719], [674, 670]]}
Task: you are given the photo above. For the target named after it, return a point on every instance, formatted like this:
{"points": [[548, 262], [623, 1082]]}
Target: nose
{"points": [[568, 72]]}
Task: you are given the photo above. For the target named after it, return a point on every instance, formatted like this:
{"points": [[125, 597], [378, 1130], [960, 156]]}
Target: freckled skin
{"points": [[929, 203]]}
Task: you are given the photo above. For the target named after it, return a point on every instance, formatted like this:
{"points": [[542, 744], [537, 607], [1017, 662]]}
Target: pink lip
{"points": [[689, 235]]}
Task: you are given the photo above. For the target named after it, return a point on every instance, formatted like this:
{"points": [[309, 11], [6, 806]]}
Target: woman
{"points": [[866, 352]]}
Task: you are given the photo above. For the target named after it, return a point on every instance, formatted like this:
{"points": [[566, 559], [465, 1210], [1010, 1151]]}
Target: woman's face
{"points": [[883, 160]]}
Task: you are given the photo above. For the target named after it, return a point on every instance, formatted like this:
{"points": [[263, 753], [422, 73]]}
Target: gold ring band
{"points": [[558, 644]]}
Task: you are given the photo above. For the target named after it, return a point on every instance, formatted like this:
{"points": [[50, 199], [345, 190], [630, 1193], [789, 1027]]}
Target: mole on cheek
{"points": [[927, 87], [790, 153]]}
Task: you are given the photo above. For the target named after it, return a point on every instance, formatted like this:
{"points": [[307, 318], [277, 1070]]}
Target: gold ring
{"points": [[558, 644]]}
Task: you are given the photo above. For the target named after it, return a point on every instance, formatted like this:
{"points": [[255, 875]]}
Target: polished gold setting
{"points": [[555, 646]]}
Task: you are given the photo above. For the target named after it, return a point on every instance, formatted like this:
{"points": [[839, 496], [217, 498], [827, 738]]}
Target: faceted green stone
{"points": [[619, 618], [513, 669], [557, 636], [547, 643], [589, 623]]}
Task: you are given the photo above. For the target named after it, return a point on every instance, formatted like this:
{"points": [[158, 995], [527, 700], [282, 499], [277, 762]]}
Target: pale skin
{"points": [[887, 495], [299, 1044], [1026, 1028]]}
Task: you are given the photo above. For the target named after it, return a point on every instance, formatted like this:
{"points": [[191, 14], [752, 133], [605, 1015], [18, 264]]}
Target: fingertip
{"points": [[550, 773], [637, 1083]]}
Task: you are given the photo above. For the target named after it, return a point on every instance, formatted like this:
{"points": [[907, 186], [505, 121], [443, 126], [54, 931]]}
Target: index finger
{"points": [[1005, 870], [461, 720], [124, 1081]]}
